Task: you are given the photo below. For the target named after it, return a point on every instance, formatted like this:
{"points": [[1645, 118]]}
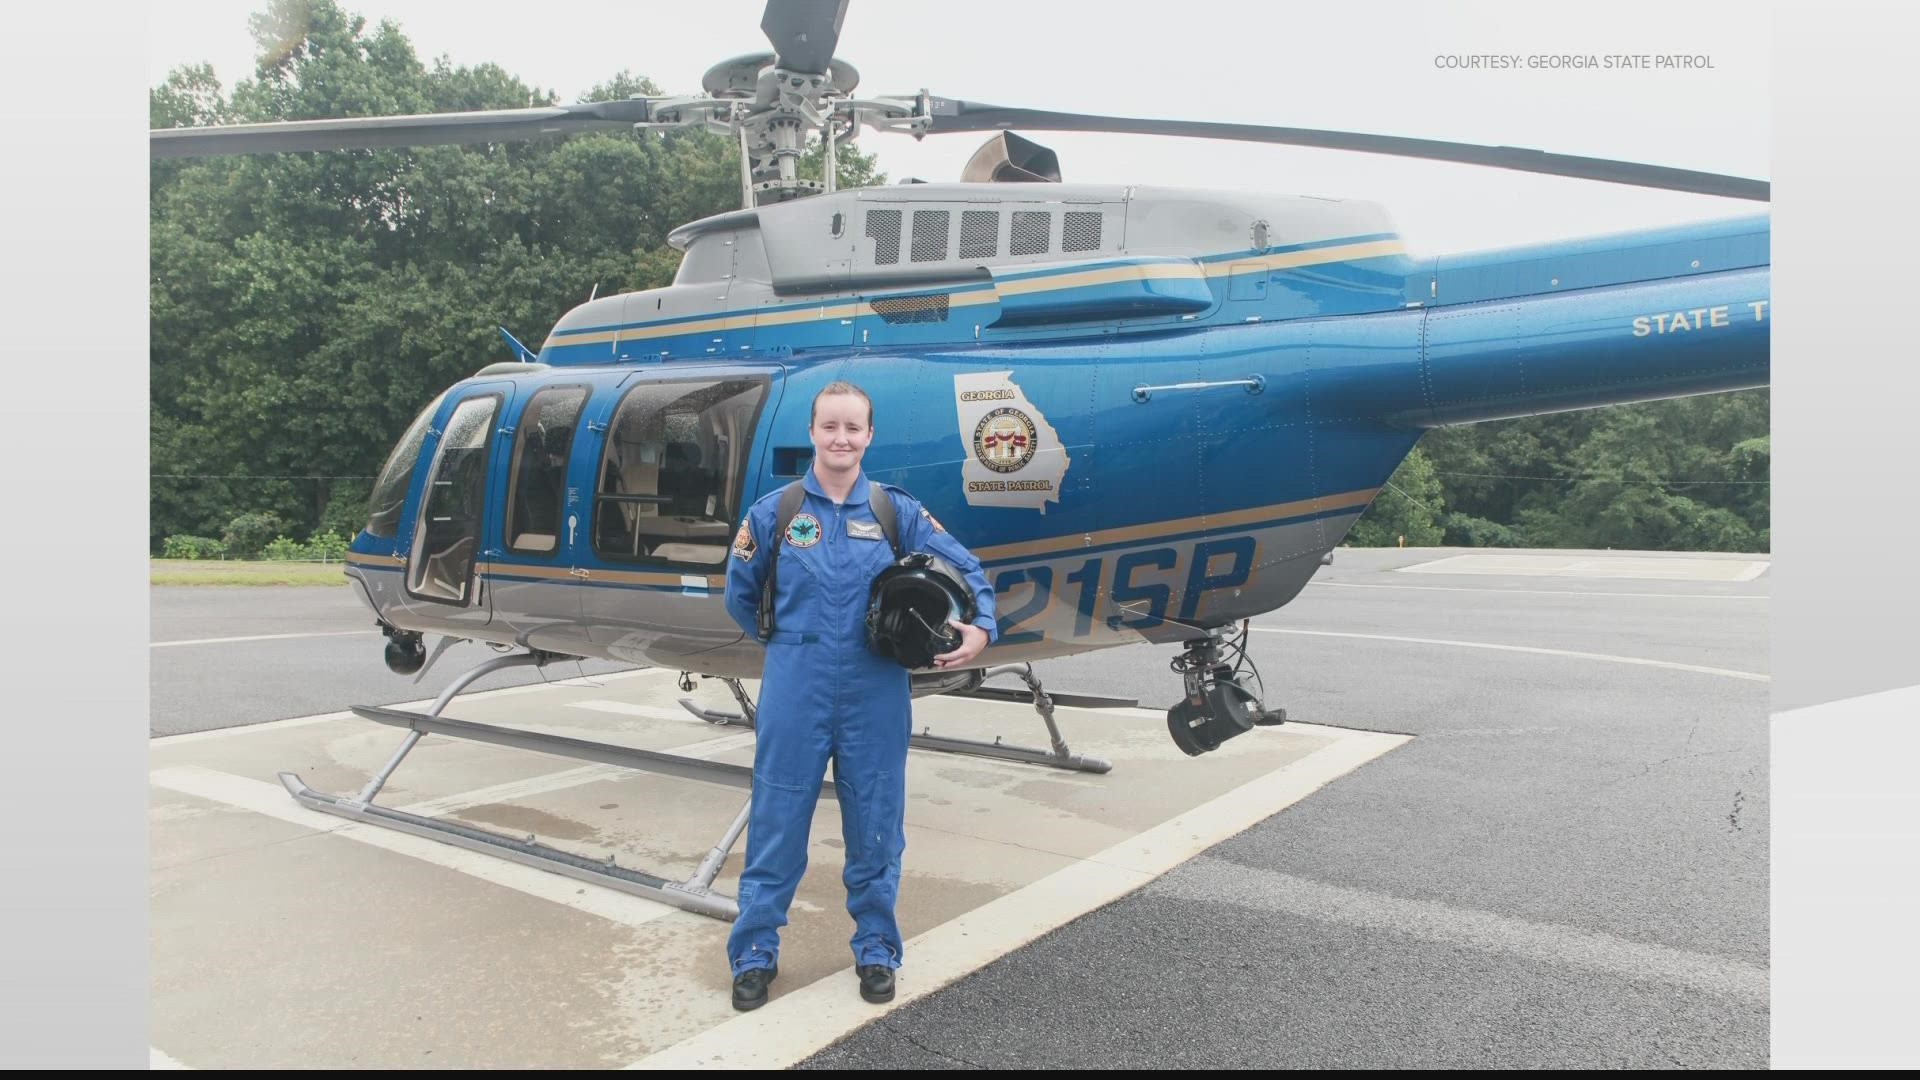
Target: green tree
{"points": [[1410, 506], [1688, 473], [304, 306]]}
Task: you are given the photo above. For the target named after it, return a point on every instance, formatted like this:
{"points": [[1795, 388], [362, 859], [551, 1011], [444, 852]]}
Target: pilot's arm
{"points": [[747, 565], [920, 532]]}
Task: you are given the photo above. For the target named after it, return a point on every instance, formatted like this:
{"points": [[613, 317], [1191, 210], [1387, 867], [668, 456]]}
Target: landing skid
{"points": [[1059, 757], [696, 893]]}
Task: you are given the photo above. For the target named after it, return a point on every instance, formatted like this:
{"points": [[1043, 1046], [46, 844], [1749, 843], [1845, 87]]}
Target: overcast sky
{"points": [[1359, 67]]}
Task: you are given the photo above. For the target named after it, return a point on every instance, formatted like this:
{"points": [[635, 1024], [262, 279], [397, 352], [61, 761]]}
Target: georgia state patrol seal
{"points": [[1005, 440], [803, 531], [1016, 458]]}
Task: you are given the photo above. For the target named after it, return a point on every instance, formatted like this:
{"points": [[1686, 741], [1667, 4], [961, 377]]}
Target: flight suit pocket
{"points": [[791, 637]]}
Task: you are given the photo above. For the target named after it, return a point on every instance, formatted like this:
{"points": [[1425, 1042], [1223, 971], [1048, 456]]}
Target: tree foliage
{"points": [[305, 306], [1407, 510], [1686, 474]]}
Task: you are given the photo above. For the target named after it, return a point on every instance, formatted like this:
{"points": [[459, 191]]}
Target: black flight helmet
{"points": [[908, 608]]}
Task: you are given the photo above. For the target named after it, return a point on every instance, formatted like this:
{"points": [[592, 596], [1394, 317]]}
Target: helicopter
{"points": [[1151, 412]]}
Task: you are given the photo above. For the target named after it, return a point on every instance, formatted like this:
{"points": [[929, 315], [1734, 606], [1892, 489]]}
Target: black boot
{"points": [[750, 987], [876, 982]]}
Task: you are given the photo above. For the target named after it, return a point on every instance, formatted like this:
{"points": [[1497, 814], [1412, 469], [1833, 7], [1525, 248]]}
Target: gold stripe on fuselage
{"points": [[1105, 275], [384, 562], [1154, 530], [1040, 283], [1286, 260], [1046, 546], [564, 573], [602, 576]]}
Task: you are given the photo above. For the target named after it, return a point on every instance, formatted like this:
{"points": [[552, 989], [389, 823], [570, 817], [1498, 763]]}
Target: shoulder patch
{"points": [[743, 543], [931, 520]]}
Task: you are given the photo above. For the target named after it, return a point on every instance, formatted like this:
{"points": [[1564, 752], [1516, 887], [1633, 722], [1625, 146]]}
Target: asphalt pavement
{"points": [[1566, 867]]}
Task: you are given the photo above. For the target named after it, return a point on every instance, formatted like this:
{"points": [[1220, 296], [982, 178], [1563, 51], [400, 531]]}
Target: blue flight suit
{"points": [[824, 695]]}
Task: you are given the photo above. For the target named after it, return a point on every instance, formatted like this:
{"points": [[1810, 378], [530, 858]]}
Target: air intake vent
{"points": [[979, 234], [1081, 231], [883, 228], [930, 231], [924, 308], [1031, 229]]}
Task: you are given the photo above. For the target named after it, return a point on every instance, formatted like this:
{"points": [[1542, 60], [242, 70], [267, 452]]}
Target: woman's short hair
{"points": [[839, 386]]}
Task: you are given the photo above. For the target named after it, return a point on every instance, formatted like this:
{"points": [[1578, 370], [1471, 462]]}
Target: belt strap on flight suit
{"points": [[878, 501]]}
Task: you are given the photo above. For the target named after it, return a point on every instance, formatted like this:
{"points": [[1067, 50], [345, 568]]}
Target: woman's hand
{"points": [[972, 640]]}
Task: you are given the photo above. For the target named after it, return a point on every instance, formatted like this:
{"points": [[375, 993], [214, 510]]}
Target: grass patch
{"points": [[244, 572]]}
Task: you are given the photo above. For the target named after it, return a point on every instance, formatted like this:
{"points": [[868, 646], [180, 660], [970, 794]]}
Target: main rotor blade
{"points": [[421, 129], [965, 116], [804, 32]]}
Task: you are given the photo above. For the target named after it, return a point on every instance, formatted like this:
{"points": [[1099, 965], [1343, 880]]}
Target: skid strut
{"points": [[1060, 757], [695, 894]]}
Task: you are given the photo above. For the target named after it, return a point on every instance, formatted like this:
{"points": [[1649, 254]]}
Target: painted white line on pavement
{"points": [[1217, 881], [476, 695], [796, 1024], [257, 637], [272, 800], [1539, 592], [650, 712], [157, 1059], [1608, 658]]}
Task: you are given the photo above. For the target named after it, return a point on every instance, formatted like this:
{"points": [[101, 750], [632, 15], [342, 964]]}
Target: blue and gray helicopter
{"points": [[1151, 412]]}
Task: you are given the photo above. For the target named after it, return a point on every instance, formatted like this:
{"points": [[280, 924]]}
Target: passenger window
{"points": [[537, 484], [446, 537], [390, 491], [674, 467]]}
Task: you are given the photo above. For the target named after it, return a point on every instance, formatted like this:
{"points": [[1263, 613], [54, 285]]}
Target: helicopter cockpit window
{"points": [[674, 468], [537, 482], [448, 530], [390, 491]]}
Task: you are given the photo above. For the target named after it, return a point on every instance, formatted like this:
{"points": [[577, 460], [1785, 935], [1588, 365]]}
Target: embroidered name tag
{"points": [[865, 530]]}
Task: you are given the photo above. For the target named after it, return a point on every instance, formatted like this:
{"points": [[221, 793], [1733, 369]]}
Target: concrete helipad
{"points": [[287, 938]]}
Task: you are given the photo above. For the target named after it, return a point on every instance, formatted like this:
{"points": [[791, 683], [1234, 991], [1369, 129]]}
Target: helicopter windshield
{"points": [[390, 491]]}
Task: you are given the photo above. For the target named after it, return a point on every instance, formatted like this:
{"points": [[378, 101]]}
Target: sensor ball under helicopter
{"points": [[406, 652], [1216, 707]]}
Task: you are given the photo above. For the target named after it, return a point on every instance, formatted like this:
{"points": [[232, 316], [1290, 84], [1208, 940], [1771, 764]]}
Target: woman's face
{"points": [[840, 431]]}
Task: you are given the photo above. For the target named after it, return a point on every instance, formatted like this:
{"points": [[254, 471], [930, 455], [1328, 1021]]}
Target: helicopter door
{"points": [[447, 554], [541, 522], [675, 476]]}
